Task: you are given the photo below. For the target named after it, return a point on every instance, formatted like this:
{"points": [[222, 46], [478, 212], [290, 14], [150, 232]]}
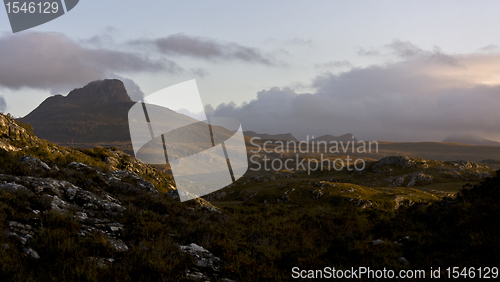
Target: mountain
{"points": [[329, 138], [96, 114], [285, 136], [471, 140]]}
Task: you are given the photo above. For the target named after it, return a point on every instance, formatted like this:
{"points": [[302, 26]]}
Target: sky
{"points": [[384, 70]]}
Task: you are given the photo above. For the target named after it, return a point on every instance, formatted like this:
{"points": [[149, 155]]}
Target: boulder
{"points": [[404, 162], [31, 253], [419, 178], [403, 261], [34, 163], [202, 258]]}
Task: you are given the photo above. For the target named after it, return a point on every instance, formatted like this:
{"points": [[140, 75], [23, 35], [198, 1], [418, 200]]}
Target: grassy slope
{"points": [[261, 241]]}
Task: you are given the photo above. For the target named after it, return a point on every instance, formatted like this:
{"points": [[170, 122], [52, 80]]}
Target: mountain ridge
{"points": [[330, 138], [471, 140], [284, 136], [95, 113]]}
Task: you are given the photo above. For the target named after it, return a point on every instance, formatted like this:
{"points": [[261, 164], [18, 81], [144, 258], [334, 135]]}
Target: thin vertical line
{"points": [[64, 6], [223, 149], [147, 119], [164, 148], [228, 161], [211, 133]]}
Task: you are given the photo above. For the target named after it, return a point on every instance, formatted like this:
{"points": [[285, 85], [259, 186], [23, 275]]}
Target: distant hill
{"points": [[285, 136], [328, 138], [471, 140], [94, 115]]}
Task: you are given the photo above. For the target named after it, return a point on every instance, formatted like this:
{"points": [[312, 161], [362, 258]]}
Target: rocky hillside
{"points": [[388, 184], [100, 215], [53, 198]]}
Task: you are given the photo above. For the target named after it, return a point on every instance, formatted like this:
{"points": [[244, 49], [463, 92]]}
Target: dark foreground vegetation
{"points": [[254, 241]]}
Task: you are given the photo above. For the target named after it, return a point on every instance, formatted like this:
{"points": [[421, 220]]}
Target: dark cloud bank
{"points": [[404, 101], [3, 104], [205, 48], [54, 62], [51, 61]]}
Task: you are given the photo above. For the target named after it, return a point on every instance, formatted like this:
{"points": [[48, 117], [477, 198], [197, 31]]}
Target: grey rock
{"points": [[403, 261], [102, 263], [404, 162], [400, 201], [419, 178], [81, 216], [366, 204], [78, 165], [202, 258], [210, 209], [112, 161], [9, 127], [173, 194], [34, 163], [8, 147], [119, 175], [31, 253], [13, 187], [118, 245], [398, 181], [197, 276]]}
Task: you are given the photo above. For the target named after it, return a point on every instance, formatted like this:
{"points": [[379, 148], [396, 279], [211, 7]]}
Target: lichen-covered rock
{"points": [[401, 201], [34, 163], [419, 178], [31, 253], [404, 162], [10, 128], [206, 266], [8, 147], [396, 181], [13, 187]]}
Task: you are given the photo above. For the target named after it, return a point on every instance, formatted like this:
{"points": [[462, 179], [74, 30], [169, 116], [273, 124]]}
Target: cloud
{"points": [[52, 61], [421, 98], [295, 41], [364, 52], [106, 38], [201, 72], [407, 50], [301, 42], [335, 64], [3, 104], [489, 48], [205, 48]]}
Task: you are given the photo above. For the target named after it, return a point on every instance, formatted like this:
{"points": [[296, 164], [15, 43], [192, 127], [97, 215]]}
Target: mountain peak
{"points": [[101, 92]]}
